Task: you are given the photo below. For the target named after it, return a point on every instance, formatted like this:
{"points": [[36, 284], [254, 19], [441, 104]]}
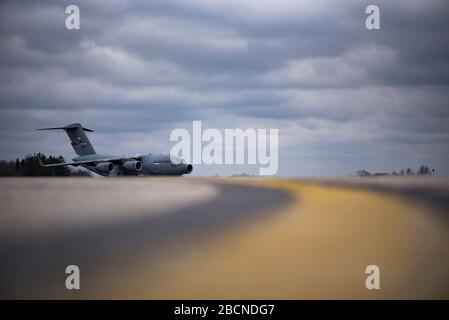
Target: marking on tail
{"points": [[78, 138]]}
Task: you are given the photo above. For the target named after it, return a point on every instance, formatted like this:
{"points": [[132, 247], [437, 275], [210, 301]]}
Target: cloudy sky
{"points": [[343, 97]]}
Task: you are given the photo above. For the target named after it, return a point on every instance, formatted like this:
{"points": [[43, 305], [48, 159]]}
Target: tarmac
{"points": [[224, 238]]}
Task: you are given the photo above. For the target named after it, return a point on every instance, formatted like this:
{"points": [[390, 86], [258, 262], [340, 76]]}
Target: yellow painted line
{"points": [[316, 247]]}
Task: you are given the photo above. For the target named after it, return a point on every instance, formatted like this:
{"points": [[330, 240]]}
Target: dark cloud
{"points": [[343, 97]]}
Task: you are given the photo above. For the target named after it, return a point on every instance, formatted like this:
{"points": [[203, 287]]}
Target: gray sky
{"points": [[343, 97]]}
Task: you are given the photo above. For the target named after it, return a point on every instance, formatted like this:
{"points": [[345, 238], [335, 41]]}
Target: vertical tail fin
{"points": [[78, 138]]}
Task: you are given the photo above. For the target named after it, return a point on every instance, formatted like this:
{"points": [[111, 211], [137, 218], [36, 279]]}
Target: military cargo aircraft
{"points": [[107, 165]]}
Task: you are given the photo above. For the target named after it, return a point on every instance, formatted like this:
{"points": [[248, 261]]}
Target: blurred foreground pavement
{"points": [[180, 238]]}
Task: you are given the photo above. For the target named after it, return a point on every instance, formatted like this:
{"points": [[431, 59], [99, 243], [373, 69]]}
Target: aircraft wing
{"points": [[87, 162]]}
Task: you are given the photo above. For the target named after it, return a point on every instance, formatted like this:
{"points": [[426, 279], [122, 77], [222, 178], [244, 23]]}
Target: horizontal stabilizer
{"points": [[71, 126]]}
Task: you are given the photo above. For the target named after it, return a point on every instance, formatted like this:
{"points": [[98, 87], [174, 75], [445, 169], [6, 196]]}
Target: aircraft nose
{"points": [[189, 168]]}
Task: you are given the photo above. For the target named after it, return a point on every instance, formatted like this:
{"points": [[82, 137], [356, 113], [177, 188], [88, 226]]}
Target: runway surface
{"points": [[224, 238]]}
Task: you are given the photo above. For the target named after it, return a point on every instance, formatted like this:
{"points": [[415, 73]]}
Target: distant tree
{"points": [[423, 170], [6, 168], [363, 173], [241, 175], [30, 166], [409, 172], [17, 165]]}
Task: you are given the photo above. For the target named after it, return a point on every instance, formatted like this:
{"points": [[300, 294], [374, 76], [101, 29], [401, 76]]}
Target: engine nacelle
{"points": [[132, 165], [105, 166]]}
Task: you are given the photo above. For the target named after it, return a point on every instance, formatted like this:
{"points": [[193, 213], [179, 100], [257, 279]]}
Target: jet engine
{"points": [[105, 166], [132, 165]]}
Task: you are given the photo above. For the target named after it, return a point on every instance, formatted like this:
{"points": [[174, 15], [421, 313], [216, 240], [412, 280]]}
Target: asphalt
{"points": [[225, 238], [104, 225]]}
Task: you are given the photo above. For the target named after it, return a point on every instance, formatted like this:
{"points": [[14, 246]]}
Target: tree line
{"points": [[423, 170], [30, 166]]}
